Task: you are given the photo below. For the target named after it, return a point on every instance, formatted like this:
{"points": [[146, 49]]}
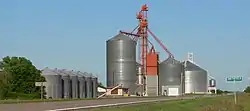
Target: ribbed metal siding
{"points": [[95, 86], [121, 62], [82, 80], [170, 72], [66, 86], [195, 79], [152, 85], [89, 87], [65, 83], [74, 85], [53, 87], [81, 86]]}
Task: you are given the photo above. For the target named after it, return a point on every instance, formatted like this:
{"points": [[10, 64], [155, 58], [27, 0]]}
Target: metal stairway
{"points": [[109, 90]]}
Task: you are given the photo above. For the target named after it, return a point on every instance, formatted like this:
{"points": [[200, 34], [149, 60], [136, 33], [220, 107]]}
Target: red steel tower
{"points": [[141, 36]]}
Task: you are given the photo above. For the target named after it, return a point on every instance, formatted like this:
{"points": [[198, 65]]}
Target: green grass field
{"points": [[30, 98], [13, 101], [223, 103]]}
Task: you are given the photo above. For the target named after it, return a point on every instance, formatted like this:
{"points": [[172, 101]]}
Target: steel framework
{"points": [[142, 35]]}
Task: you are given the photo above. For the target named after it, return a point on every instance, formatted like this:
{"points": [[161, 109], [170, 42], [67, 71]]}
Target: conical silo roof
{"points": [[86, 74], [170, 61], [67, 72], [91, 75], [120, 37], [191, 66], [61, 72], [77, 73], [48, 71]]}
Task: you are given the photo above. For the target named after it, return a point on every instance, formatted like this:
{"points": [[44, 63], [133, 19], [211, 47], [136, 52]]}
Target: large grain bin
{"points": [[170, 77], [212, 83], [195, 78], [53, 86], [121, 62]]}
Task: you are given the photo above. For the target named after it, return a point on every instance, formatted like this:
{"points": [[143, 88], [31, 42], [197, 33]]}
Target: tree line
{"points": [[17, 78]]}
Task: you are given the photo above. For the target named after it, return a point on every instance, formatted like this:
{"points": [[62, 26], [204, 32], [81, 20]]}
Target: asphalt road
{"points": [[55, 106]]}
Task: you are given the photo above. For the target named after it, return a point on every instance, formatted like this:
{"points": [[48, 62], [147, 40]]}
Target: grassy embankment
{"points": [[223, 103], [13, 98], [29, 98]]}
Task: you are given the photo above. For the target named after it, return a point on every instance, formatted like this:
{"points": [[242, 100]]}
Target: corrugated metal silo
{"points": [[81, 84], [195, 78], [74, 84], [170, 77], [53, 85], [121, 62], [65, 83], [95, 86], [212, 83], [89, 85]]}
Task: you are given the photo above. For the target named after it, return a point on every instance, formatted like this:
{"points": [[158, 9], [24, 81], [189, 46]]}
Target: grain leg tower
{"points": [[122, 68]]}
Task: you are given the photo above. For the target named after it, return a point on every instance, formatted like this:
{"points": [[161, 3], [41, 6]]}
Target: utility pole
{"points": [[235, 98], [42, 90], [234, 80], [113, 78]]}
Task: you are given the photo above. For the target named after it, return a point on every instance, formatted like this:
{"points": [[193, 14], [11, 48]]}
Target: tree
{"points": [[227, 92], [101, 85], [247, 90], [3, 86], [219, 91], [21, 74]]}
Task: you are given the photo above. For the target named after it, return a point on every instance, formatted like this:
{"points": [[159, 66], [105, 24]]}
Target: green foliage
{"points": [[3, 86], [219, 91], [20, 75], [22, 96], [227, 92], [247, 90], [101, 85], [2, 75], [3, 90]]}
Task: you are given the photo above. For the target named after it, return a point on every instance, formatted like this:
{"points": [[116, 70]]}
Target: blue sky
{"points": [[72, 34]]}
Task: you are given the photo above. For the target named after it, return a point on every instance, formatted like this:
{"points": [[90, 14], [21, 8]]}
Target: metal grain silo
{"points": [[74, 84], [212, 83], [95, 86], [81, 84], [170, 77], [65, 83], [88, 84], [195, 78], [53, 85], [121, 62]]}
